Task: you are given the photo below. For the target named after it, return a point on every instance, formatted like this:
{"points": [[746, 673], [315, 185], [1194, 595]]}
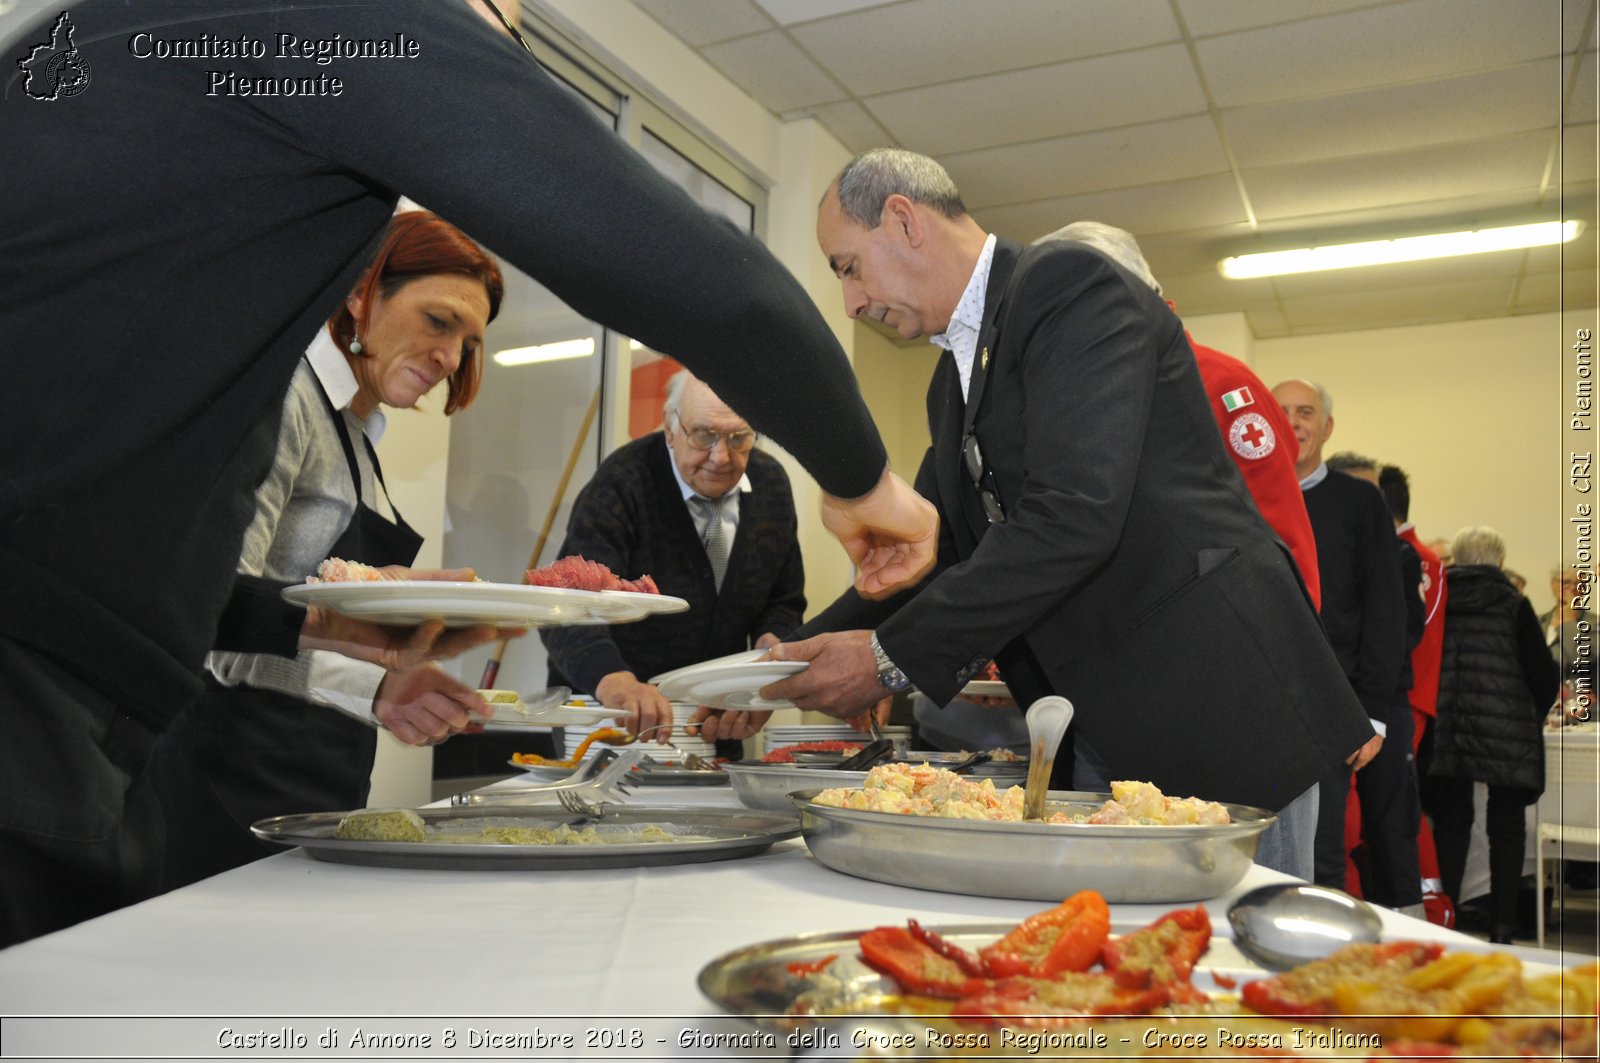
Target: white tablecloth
{"points": [[292, 943]]}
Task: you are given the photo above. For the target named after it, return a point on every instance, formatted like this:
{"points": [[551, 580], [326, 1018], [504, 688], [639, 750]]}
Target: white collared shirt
{"points": [[960, 337], [1314, 477], [728, 502], [338, 380]]}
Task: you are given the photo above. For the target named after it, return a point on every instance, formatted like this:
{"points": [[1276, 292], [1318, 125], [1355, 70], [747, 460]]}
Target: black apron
{"points": [[242, 754]]}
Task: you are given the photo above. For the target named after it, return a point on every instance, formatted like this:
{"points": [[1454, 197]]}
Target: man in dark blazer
{"points": [[1097, 539], [650, 509]]}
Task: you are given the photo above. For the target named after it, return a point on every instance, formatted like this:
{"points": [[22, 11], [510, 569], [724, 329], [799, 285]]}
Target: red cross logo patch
{"points": [[1251, 436]]}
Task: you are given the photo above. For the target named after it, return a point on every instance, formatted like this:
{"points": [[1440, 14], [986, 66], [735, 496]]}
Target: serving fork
{"points": [[603, 776]]}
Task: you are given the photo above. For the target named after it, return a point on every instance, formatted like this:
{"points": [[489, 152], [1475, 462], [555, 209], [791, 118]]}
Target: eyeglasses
{"points": [[507, 24], [738, 441], [982, 479]]}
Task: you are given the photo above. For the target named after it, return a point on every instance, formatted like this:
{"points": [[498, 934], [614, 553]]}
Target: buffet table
{"points": [[262, 962]]}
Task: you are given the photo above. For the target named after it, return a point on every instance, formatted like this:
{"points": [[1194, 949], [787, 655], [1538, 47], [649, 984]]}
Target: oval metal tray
{"points": [[709, 834], [1036, 861]]}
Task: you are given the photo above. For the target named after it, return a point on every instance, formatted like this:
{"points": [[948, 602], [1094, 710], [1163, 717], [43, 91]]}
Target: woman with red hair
{"points": [[275, 735]]}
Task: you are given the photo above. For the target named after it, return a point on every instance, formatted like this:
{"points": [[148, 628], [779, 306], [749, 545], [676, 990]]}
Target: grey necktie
{"points": [[716, 536]]}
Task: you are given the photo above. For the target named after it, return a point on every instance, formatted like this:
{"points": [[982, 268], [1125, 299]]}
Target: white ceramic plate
{"points": [[986, 688], [731, 682], [462, 604], [546, 710]]}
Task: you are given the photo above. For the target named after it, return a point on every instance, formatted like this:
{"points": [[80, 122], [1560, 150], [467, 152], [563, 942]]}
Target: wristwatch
{"points": [[892, 678]]}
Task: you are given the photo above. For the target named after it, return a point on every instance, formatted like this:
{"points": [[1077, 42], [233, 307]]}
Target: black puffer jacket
{"points": [[1496, 682]]}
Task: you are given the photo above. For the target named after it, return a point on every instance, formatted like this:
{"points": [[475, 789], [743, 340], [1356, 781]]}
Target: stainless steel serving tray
{"points": [[709, 834], [1036, 861], [768, 786]]}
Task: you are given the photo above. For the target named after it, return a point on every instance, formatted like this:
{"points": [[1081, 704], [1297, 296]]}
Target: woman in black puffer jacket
{"points": [[1496, 683]]}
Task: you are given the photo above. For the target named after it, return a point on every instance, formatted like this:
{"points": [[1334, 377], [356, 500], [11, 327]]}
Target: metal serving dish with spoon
{"points": [[1036, 860]]}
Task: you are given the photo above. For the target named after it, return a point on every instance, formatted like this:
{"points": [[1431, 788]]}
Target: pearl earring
{"points": [[355, 345]]}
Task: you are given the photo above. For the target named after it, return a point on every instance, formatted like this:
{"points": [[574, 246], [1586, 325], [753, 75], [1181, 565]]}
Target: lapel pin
{"points": [[986, 358]]}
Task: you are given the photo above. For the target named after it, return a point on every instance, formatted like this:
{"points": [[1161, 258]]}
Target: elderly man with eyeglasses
{"points": [[712, 520]]}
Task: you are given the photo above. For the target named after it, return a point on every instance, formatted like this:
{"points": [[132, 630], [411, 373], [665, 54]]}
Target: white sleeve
{"points": [[318, 676]]}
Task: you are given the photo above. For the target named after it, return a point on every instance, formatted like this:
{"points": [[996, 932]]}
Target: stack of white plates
{"points": [[683, 743]]}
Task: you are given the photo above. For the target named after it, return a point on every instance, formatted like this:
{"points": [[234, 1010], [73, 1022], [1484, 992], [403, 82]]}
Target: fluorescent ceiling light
{"points": [[546, 352], [1408, 249]]}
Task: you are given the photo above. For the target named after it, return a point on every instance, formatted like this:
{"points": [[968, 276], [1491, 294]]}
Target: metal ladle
{"points": [[1289, 923], [1047, 724]]}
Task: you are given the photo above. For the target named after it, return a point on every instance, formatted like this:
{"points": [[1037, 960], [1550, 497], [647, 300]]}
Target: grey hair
{"points": [[1116, 244], [1478, 546], [675, 385], [1323, 394], [1346, 460], [873, 176]]}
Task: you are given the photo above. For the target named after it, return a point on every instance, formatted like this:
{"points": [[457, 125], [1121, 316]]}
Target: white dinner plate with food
{"points": [[986, 688], [546, 709], [466, 603], [732, 682]]}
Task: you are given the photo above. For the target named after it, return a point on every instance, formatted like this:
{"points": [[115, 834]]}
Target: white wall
{"points": [[1472, 411]]}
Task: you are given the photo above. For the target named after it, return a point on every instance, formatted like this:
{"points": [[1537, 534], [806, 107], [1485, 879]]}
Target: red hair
{"points": [[419, 243]]}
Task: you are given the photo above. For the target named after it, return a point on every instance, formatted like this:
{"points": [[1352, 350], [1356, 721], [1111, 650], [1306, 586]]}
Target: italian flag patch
{"points": [[1237, 400]]}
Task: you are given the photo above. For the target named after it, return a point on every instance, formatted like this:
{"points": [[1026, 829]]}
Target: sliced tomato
{"points": [[1066, 938], [917, 966], [1047, 1002], [1163, 952], [1308, 989]]}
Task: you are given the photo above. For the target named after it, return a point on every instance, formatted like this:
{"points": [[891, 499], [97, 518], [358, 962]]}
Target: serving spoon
{"points": [[1047, 723], [1289, 923]]}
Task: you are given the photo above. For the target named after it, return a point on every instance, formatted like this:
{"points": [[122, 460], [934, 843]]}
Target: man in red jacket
{"points": [[1252, 423]]}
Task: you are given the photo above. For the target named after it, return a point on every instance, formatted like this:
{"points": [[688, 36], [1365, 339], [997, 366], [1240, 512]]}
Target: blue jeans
{"points": [[1287, 845]]}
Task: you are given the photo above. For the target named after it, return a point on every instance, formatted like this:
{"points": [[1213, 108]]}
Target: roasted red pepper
{"points": [[1066, 938], [1307, 990], [912, 962], [1056, 1001], [968, 962], [1162, 953]]}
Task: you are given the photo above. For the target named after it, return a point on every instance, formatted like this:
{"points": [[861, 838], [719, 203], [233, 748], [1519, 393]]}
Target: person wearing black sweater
{"points": [[643, 512], [1365, 617], [169, 244]]}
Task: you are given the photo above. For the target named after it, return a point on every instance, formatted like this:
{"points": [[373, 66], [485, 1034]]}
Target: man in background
{"points": [[1364, 614], [711, 519]]}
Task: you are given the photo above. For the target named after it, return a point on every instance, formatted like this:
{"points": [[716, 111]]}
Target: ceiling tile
{"points": [[1581, 107], [1210, 201], [1091, 162], [1575, 15], [1512, 100], [1267, 322], [869, 52], [770, 68], [1204, 291], [1420, 177], [1578, 154], [1100, 93], [788, 12], [1376, 46], [1392, 307], [847, 120], [1544, 292], [701, 22], [1206, 18]]}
